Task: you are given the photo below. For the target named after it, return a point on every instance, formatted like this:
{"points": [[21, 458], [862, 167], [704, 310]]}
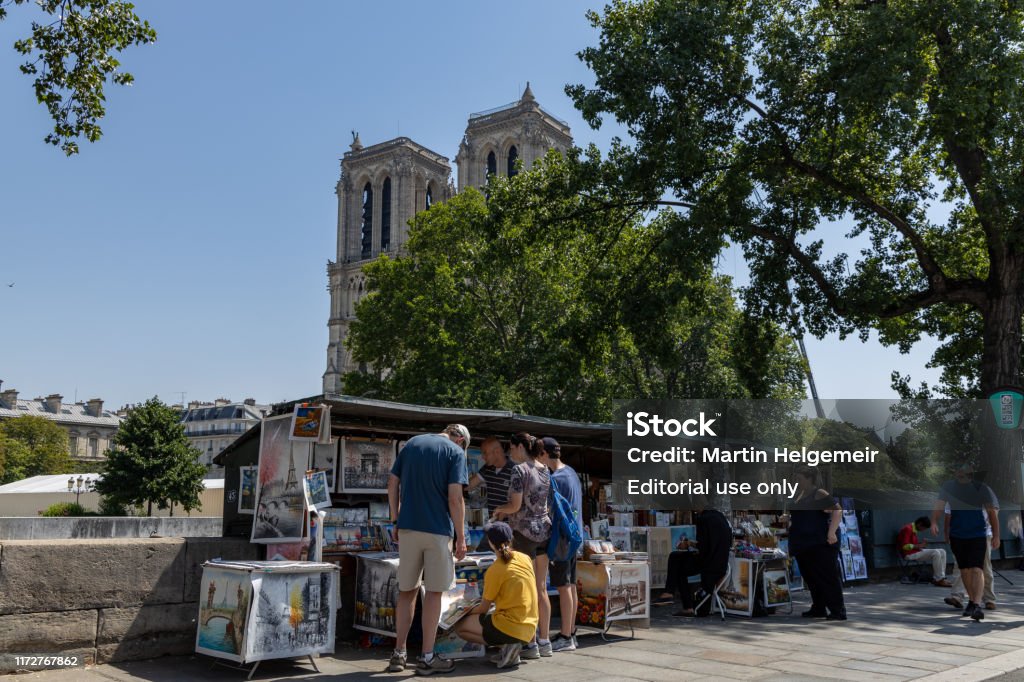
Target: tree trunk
{"points": [[1001, 458]]}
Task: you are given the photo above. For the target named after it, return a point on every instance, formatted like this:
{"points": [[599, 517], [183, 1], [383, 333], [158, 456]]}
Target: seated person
{"points": [[710, 560], [913, 548], [510, 585]]}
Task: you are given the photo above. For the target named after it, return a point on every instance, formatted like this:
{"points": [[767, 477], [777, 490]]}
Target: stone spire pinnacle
{"points": [[527, 95], [356, 144]]}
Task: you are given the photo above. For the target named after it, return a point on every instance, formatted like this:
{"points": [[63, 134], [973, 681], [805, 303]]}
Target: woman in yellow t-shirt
{"points": [[510, 585]]}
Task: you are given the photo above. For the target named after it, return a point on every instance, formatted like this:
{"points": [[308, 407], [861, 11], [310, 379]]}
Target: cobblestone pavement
{"points": [[895, 632]]}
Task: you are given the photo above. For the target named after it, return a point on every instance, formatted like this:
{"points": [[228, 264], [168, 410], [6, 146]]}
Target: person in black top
{"points": [[813, 523], [708, 556]]}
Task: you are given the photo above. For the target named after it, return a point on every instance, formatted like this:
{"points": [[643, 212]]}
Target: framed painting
{"points": [[629, 591], [366, 464], [280, 496], [225, 598], [307, 422], [738, 593], [325, 458], [293, 615], [776, 588], [247, 489], [316, 488]]}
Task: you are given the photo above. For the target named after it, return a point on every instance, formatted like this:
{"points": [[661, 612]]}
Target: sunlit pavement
{"points": [[895, 632]]}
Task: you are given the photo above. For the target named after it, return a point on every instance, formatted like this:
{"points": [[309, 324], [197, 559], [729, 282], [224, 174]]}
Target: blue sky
{"points": [[186, 251]]}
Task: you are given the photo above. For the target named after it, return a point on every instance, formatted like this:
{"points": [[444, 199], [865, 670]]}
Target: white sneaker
{"points": [[530, 652], [509, 656], [562, 643]]}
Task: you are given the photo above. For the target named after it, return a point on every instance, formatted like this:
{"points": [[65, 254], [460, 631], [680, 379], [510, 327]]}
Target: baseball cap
{"points": [[498, 533], [551, 445], [460, 431]]}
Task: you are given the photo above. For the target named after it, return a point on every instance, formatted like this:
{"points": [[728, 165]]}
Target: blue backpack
{"points": [[566, 535]]}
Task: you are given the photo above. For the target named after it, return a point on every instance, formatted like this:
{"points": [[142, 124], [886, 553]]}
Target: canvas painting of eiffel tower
{"points": [[280, 500]]}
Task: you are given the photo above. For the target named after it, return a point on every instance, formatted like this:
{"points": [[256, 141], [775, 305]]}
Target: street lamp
{"points": [[78, 486]]}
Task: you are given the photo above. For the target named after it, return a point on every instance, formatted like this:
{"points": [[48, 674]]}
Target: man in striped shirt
{"points": [[494, 475]]}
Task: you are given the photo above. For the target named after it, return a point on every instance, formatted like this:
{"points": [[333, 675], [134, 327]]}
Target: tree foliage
{"points": [[152, 461], [866, 155], [548, 297], [32, 446], [71, 55]]}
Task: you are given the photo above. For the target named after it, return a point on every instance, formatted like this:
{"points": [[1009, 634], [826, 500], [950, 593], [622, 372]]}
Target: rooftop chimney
{"points": [[9, 398], [53, 402], [94, 407]]}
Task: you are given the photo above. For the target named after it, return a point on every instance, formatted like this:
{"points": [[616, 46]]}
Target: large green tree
{"points": [[547, 297], [152, 461], [71, 55], [32, 446], [866, 155]]}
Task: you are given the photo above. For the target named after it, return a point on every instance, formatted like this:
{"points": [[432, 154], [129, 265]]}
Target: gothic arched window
{"points": [[429, 197], [492, 164], [513, 156], [366, 228], [385, 215]]}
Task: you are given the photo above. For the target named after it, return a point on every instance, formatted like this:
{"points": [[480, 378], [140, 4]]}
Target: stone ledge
{"points": [[57, 633], [44, 575], [139, 622]]}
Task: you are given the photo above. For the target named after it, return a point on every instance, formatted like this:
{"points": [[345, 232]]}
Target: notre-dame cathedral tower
{"points": [[384, 185]]}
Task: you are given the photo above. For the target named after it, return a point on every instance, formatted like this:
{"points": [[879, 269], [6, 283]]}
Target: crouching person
{"points": [[511, 587]]}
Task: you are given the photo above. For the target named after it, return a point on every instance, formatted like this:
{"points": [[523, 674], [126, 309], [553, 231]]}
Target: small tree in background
{"points": [[32, 446], [67, 509], [152, 461]]}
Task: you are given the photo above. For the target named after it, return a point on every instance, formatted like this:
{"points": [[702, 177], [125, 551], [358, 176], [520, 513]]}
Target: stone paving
{"points": [[895, 632]]}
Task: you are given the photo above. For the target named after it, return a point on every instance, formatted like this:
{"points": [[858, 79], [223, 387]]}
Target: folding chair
{"points": [[716, 599], [910, 570]]}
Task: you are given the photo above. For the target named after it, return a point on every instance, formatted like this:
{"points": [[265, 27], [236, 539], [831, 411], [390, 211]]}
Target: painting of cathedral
{"points": [[280, 499], [383, 186]]}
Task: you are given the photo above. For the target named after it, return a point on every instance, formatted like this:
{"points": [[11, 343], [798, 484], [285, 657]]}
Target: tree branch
{"points": [[936, 277]]}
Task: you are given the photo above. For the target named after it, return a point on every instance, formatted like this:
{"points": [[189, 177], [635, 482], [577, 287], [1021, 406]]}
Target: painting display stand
{"points": [[756, 585], [252, 611], [613, 592]]}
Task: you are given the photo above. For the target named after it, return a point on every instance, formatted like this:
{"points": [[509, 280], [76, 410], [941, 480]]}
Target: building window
{"points": [[513, 156], [73, 445], [385, 215], [429, 200], [94, 447], [366, 229], [492, 164]]}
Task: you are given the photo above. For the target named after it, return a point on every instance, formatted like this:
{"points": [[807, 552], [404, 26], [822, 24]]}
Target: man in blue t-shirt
{"points": [[425, 496], [565, 480], [967, 533]]}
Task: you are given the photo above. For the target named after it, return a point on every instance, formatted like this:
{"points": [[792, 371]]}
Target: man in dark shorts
{"points": [[566, 481], [968, 500], [494, 475]]}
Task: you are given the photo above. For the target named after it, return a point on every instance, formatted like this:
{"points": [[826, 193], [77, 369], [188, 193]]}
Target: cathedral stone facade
{"points": [[384, 185]]}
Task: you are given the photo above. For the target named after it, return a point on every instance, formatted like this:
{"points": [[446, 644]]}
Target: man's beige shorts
{"points": [[427, 557]]}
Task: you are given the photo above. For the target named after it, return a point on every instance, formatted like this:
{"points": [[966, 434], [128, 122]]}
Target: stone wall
{"points": [[104, 600], [106, 527]]}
